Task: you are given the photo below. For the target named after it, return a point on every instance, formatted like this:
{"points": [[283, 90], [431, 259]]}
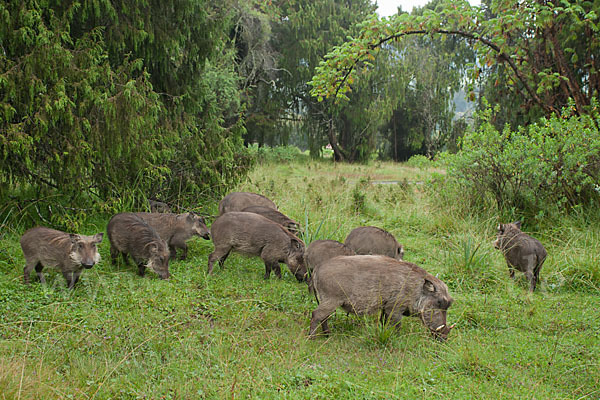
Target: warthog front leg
{"points": [[220, 254], [72, 278], [272, 266], [319, 317], [172, 252], [185, 251], [511, 271], [141, 269], [114, 253], [38, 271]]}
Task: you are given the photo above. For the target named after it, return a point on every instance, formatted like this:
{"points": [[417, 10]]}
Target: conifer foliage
{"points": [[102, 101]]}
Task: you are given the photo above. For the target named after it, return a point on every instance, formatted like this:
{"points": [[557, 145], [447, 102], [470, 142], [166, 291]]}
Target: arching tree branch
{"points": [[503, 57]]}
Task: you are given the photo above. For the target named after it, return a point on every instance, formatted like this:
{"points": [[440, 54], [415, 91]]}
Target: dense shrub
{"points": [[419, 161], [548, 166]]}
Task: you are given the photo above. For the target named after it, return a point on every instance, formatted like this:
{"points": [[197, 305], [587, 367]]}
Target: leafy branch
{"points": [[505, 38]]}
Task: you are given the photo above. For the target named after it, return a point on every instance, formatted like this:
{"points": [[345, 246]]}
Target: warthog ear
{"points": [[74, 237], [98, 237], [428, 286], [401, 251], [518, 224], [297, 244]]}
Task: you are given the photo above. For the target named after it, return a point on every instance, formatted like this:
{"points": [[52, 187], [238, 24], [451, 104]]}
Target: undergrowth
{"points": [[235, 335]]}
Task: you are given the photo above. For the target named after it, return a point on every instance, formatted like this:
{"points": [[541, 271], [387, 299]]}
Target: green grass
{"points": [[235, 335]]}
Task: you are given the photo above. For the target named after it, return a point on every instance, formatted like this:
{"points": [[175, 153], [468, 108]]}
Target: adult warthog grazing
{"points": [[373, 240], [130, 235], [521, 251], [237, 201], [175, 229], [275, 216], [320, 251], [254, 235], [158, 206], [68, 252], [366, 284]]}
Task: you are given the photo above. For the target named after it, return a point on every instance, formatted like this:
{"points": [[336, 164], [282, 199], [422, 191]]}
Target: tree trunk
{"points": [[563, 68], [338, 153]]}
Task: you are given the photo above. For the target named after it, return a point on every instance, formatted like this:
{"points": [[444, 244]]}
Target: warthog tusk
{"points": [[440, 327], [452, 326]]}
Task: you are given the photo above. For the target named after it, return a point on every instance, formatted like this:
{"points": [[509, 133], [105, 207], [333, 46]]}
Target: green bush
{"points": [[548, 166], [419, 161]]}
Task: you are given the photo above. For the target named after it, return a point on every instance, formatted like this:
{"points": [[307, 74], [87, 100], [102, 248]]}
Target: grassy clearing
{"points": [[235, 335]]}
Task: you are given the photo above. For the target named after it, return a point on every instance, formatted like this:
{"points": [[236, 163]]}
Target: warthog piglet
{"points": [[130, 235], [70, 253], [237, 201], [176, 229], [320, 251], [521, 251], [254, 235], [367, 240]]}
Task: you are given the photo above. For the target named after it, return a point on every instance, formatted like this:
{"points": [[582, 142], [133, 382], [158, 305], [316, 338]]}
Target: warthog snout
{"points": [[441, 332], [301, 277]]}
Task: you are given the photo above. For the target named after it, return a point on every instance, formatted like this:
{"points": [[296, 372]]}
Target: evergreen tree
{"points": [[104, 101]]}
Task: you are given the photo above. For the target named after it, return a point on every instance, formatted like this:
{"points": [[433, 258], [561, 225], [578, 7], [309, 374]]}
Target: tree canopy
{"points": [[548, 50], [104, 103]]}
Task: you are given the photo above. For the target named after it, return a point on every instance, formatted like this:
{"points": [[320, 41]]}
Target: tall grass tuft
{"points": [[381, 332], [469, 266]]}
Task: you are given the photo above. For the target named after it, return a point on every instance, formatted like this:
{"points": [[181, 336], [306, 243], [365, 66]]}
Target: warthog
{"points": [[70, 253], [254, 235], [373, 240], [129, 234], [175, 229], [366, 284], [158, 206], [521, 252], [275, 216], [320, 251], [237, 201]]}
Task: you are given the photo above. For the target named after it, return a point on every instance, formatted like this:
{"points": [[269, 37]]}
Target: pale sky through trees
{"points": [[389, 7]]}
